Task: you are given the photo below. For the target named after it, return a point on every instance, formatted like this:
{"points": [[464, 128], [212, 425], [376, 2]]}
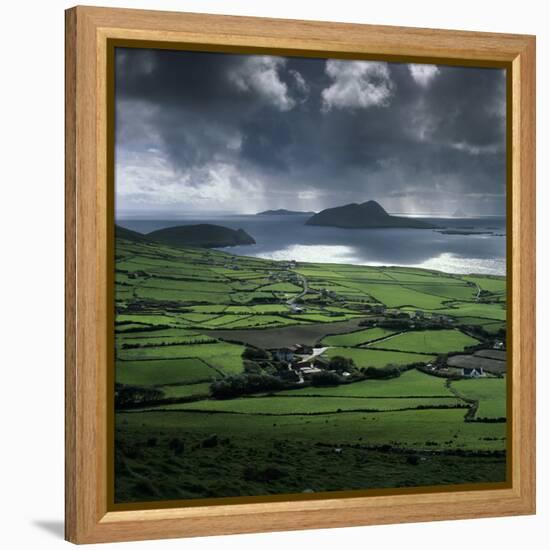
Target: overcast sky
{"points": [[208, 132]]}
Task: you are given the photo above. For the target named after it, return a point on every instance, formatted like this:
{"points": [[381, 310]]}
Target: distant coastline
{"points": [[284, 212], [287, 238]]}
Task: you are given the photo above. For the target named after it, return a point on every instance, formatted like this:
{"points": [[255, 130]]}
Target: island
{"points": [[463, 232], [202, 235], [129, 235], [367, 215], [284, 212]]}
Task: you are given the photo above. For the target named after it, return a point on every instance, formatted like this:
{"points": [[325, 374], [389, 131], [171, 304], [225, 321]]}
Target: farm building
{"points": [[315, 362], [291, 353], [302, 349], [309, 369], [284, 354], [472, 372], [443, 319]]}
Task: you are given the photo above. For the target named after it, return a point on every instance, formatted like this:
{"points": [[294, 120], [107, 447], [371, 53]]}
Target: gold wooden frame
{"points": [[89, 32]]}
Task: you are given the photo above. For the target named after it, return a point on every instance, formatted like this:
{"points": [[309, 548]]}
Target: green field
{"points": [[356, 338], [428, 341], [449, 291], [485, 311], [410, 383], [490, 392], [152, 373], [411, 429], [291, 405], [378, 358], [492, 284], [259, 321], [220, 355], [394, 295], [184, 317]]}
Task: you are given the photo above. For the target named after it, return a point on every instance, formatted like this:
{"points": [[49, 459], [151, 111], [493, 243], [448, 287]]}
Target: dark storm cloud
{"points": [[231, 132]]}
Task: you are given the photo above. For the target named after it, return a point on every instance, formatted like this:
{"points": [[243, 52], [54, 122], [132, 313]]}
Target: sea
{"points": [[482, 250]]}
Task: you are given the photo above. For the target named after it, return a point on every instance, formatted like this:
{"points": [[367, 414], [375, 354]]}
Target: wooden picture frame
{"points": [[89, 230]]}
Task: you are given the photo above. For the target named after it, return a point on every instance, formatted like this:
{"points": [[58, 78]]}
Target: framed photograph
{"points": [[300, 274]]}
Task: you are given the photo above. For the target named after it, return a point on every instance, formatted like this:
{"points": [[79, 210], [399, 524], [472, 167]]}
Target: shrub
{"points": [[269, 473], [388, 372], [176, 445], [340, 364], [254, 354], [241, 384], [325, 378], [133, 395], [209, 442], [251, 367]]}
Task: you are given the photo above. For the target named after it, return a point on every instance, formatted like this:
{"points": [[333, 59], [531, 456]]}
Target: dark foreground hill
{"points": [[284, 212], [361, 216], [203, 235]]}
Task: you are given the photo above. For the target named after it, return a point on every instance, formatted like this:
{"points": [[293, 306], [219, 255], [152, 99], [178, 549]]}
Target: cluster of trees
{"points": [[259, 361], [133, 395], [338, 365], [144, 328], [333, 375], [242, 384], [255, 354], [200, 340], [326, 378], [480, 333], [488, 420], [261, 373], [380, 374], [341, 364]]}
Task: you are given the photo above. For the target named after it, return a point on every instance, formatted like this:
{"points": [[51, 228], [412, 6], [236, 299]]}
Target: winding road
{"points": [[305, 290]]}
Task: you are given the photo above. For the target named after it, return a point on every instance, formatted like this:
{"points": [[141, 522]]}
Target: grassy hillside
{"points": [[187, 318]]}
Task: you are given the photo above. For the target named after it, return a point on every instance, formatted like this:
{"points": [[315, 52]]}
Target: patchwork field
{"points": [[428, 341], [410, 429], [214, 396], [158, 373], [476, 361], [410, 383], [357, 338], [291, 405], [490, 393], [378, 358]]}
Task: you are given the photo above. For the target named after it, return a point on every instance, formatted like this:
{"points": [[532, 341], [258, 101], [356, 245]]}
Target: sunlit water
{"points": [[288, 238]]}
